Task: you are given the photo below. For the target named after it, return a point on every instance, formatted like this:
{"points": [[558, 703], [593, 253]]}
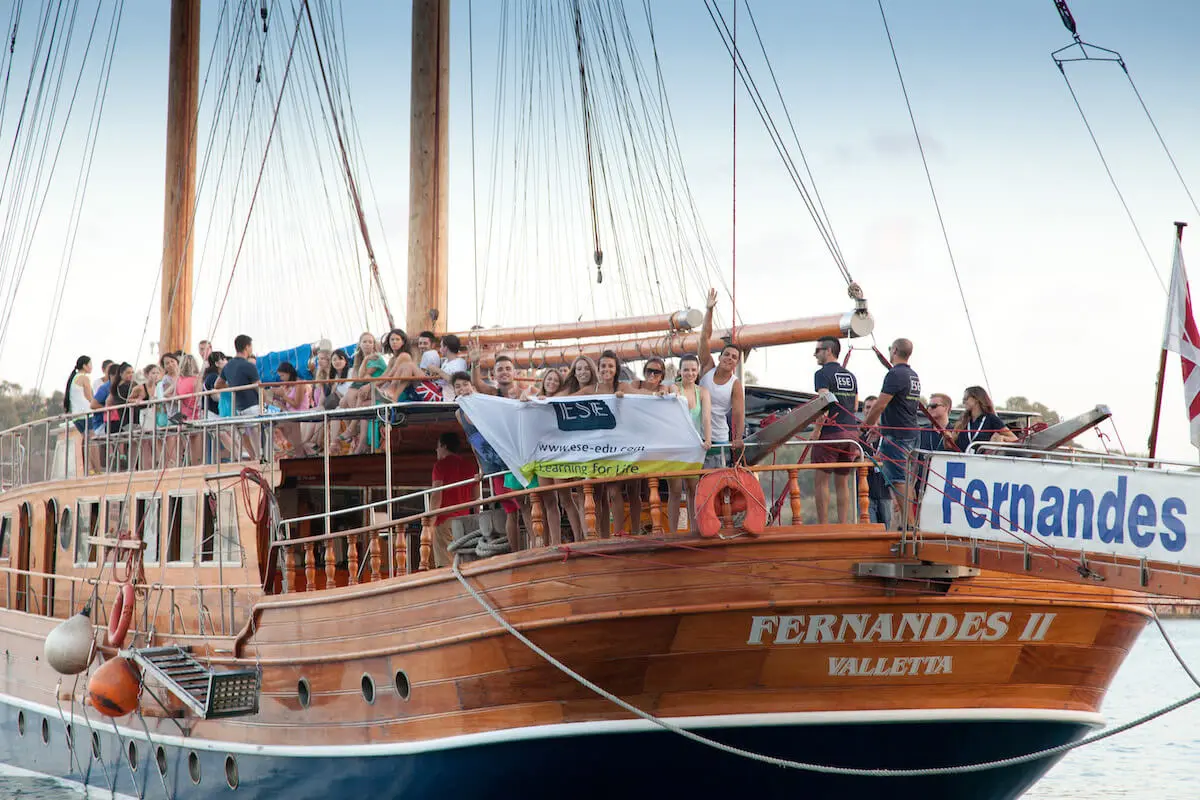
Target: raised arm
{"points": [[702, 350], [481, 386]]}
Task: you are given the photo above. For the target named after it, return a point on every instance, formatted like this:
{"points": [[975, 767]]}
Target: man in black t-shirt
{"points": [[240, 371], [896, 412], [839, 423]]}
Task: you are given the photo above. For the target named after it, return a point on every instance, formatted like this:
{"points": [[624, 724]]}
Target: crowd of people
{"points": [[173, 391], [888, 427]]}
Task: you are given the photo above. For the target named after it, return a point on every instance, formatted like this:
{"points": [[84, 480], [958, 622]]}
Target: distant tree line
{"points": [[18, 406]]}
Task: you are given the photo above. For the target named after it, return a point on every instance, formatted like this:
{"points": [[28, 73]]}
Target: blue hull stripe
{"points": [[587, 760]]}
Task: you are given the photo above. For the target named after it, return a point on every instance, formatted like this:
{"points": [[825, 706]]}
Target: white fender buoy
{"points": [[71, 646]]}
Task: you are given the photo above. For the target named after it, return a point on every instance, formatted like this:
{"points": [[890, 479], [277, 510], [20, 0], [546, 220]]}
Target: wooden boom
{"points": [[809, 329], [688, 319]]}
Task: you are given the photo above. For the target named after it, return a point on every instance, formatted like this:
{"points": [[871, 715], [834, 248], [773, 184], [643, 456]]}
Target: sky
{"points": [[1067, 309]]}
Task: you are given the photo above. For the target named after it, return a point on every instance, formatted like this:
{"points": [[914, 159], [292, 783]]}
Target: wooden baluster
{"points": [[352, 560], [376, 559], [656, 512], [289, 561], [310, 568], [589, 510], [793, 488], [399, 544], [330, 563], [426, 544], [538, 519], [864, 495]]}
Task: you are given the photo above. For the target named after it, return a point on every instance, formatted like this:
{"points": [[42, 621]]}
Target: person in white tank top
{"points": [[728, 399]]}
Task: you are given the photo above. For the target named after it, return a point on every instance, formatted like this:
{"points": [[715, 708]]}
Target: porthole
{"points": [[368, 688], [194, 767], [401, 684], [131, 752], [304, 692], [95, 745], [231, 772], [160, 758], [20, 723], [65, 530], [45, 731]]}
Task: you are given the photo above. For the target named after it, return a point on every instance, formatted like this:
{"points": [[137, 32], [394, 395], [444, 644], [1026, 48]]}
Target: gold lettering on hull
{"points": [[969, 626], [849, 666]]}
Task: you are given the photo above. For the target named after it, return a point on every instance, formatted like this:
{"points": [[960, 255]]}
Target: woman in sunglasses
{"points": [[654, 382]]}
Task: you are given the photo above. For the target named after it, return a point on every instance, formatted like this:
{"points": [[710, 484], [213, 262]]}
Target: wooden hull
{"points": [[768, 643]]}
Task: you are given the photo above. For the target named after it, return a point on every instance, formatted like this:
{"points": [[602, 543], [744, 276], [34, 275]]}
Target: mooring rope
{"points": [[824, 769]]}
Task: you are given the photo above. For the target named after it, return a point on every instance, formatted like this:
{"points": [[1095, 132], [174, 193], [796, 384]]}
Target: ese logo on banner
{"points": [[584, 415], [1131, 512]]}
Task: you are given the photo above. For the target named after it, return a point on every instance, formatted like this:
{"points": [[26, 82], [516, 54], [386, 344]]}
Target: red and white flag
{"points": [[1181, 336]]}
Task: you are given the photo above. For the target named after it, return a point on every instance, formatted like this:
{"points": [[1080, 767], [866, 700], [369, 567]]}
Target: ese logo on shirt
{"points": [[584, 415], [845, 383], [914, 388]]}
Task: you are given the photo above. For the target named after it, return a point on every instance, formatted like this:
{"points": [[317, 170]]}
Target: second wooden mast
{"points": [[183, 97], [429, 167]]}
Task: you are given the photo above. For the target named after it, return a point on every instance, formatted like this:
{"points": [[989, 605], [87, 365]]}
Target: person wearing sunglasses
{"points": [[939, 411], [655, 372], [839, 423]]}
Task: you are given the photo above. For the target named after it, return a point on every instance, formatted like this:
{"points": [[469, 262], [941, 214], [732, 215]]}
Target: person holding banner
{"points": [[727, 397], [582, 377], [699, 403], [549, 385], [608, 371], [489, 462]]}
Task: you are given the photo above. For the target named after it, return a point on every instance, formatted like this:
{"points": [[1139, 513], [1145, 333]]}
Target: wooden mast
{"points": [[183, 94], [429, 170]]}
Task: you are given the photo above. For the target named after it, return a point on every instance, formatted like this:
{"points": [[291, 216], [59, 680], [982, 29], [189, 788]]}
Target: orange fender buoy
{"points": [[745, 492], [113, 689], [121, 616]]}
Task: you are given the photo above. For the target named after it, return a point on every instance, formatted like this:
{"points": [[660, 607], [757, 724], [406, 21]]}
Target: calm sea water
{"points": [[1157, 760]]}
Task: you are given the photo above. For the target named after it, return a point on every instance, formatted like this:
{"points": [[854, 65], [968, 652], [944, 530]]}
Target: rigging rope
{"points": [[773, 132], [933, 194], [585, 103], [351, 184], [1106, 55], [258, 183]]}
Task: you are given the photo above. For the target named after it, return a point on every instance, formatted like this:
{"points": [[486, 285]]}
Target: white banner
{"points": [[592, 436], [1141, 513]]}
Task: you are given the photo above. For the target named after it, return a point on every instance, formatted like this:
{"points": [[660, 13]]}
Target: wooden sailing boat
{"points": [[301, 660]]}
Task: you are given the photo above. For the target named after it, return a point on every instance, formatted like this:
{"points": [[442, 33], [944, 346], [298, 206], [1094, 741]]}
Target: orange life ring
{"points": [[746, 494], [120, 616]]}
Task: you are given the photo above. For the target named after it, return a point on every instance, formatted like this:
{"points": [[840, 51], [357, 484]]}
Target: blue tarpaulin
{"points": [[268, 363]]}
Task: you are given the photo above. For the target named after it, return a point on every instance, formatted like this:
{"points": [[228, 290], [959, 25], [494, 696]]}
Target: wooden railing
{"points": [[309, 563]]}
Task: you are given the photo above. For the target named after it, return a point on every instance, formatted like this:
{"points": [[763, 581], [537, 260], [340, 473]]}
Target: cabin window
{"points": [[115, 519], [219, 540], [149, 514], [181, 528], [87, 523], [5, 532]]}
